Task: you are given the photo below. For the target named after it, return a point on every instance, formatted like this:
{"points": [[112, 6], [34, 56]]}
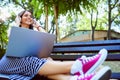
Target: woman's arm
{"points": [[38, 27]]}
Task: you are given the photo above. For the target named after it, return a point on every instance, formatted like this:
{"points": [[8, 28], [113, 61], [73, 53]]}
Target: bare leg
{"points": [[55, 67], [102, 74], [60, 77], [52, 67]]}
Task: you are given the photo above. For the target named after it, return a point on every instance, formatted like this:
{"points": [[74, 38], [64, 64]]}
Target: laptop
{"points": [[25, 42]]}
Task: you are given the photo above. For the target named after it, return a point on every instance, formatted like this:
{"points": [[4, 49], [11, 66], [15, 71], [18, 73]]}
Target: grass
{"points": [[114, 65]]}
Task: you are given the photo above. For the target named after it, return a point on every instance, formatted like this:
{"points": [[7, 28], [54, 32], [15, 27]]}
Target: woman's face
{"points": [[27, 18]]}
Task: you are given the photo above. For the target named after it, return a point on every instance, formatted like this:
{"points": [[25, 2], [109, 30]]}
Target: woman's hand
{"points": [[37, 26]]}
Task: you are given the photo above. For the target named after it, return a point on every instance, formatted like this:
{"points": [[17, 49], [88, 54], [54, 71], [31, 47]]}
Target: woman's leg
{"points": [[80, 66], [102, 74], [60, 77], [55, 67]]}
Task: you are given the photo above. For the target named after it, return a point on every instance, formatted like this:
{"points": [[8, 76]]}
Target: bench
{"points": [[62, 51], [72, 50]]}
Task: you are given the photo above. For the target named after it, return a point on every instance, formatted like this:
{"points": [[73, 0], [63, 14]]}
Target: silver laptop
{"points": [[25, 42]]}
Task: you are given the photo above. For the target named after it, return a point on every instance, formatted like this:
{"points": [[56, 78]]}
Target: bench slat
{"points": [[111, 57], [111, 48], [115, 76], [90, 43]]}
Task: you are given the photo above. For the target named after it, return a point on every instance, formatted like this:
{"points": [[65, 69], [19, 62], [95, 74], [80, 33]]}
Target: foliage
{"points": [[4, 35], [4, 26], [63, 6], [112, 5], [3, 38]]}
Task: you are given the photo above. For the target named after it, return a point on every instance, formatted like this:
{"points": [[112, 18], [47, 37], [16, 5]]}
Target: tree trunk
{"points": [[46, 18], [93, 26], [56, 22], [93, 32], [52, 30], [109, 21]]}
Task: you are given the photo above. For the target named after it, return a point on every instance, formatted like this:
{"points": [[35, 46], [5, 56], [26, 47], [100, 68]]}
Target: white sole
{"points": [[103, 74], [104, 53]]}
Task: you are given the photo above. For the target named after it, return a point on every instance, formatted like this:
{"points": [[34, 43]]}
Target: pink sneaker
{"points": [[86, 77], [89, 64], [103, 74]]}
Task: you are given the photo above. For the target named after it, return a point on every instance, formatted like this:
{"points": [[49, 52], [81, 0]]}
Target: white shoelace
{"points": [[85, 77], [87, 59]]}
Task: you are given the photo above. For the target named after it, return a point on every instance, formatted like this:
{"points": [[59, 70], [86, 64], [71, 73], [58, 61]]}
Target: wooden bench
{"points": [[73, 50], [62, 51]]}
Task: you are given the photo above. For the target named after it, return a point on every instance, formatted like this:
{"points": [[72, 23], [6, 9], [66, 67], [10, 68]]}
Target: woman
{"points": [[26, 68]]}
